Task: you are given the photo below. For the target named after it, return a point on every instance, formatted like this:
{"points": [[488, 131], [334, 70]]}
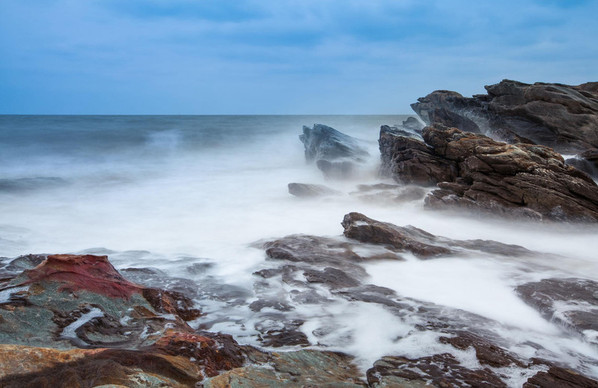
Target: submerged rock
{"points": [[477, 173], [310, 190], [326, 143]]}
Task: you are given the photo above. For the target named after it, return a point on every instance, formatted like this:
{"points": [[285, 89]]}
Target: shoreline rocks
{"points": [[475, 172], [563, 117]]}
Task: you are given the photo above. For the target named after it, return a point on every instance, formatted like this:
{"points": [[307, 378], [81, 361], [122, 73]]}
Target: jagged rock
{"points": [[417, 241], [559, 116], [325, 143], [482, 174], [571, 302], [521, 180], [408, 159], [562, 117], [310, 190]]}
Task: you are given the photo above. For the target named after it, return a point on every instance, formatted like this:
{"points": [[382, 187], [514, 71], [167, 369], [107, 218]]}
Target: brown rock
{"points": [[520, 180], [417, 241]]}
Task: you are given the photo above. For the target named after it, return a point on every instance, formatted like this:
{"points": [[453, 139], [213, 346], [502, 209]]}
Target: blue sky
{"points": [[280, 57]]}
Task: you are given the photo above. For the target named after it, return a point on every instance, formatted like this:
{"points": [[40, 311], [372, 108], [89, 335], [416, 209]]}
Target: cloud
{"points": [[266, 56]]}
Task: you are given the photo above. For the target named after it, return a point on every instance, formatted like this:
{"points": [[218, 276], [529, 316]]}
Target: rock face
{"points": [[562, 117], [478, 173], [409, 160]]}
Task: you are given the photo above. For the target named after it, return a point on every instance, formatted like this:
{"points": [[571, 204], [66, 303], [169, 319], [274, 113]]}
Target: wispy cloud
{"points": [[268, 56]]}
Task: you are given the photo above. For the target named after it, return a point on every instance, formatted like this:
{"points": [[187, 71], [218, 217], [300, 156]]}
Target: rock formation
{"points": [[335, 153], [476, 172], [562, 117]]}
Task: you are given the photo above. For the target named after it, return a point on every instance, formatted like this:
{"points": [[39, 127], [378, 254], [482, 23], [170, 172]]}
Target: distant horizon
{"points": [[263, 57]]}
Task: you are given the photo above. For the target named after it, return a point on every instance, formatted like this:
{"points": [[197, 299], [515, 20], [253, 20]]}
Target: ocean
{"points": [[190, 197]]}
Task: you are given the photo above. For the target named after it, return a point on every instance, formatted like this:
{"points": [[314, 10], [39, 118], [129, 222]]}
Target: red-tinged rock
{"points": [[83, 272], [215, 352]]}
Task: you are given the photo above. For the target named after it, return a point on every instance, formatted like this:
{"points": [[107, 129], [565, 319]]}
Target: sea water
{"points": [[171, 192]]}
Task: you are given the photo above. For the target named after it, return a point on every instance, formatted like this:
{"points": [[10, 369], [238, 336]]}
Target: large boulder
{"points": [[482, 174], [326, 143], [337, 155], [562, 117]]}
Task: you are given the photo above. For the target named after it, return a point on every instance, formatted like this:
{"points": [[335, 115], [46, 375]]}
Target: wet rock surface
{"points": [[519, 180], [419, 242], [572, 302], [76, 320]]}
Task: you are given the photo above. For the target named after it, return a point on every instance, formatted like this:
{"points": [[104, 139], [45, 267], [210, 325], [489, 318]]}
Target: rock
{"points": [[417, 241], [587, 162], [482, 174], [486, 352], [407, 159], [138, 333], [306, 190], [304, 368], [325, 143], [413, 124], [559, 116], [559, 377], [440, 370], [520, 180], [571, 302]]}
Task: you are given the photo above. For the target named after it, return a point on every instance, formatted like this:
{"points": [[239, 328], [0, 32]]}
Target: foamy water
{"points": [[171, 192]]}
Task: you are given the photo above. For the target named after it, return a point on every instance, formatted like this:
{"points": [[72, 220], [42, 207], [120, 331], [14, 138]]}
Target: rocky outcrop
{"points": [[337, 155], [562, 117], [73, 320], [138, 334], [409, 160], [482, 174], [326, 143]]}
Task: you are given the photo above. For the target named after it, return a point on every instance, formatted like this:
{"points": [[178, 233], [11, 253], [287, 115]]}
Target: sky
{"points": [[281, 56]]}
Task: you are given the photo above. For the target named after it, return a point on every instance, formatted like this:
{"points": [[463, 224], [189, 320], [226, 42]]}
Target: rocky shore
{"points": [[73, 320]]}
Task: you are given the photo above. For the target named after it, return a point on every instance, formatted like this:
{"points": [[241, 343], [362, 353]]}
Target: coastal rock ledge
{"points": [[478, 173], [563, 117]]}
